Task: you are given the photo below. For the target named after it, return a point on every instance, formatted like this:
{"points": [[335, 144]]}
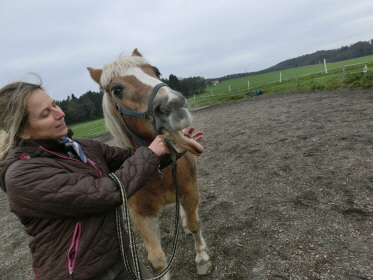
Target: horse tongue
{"points": [[186, 143]]}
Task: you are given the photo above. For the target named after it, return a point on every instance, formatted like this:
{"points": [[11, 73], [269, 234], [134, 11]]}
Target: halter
{"points": [[147, 115]]}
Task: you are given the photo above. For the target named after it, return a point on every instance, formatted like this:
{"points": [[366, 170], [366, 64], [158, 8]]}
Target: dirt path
{"points": [[286, 191]]}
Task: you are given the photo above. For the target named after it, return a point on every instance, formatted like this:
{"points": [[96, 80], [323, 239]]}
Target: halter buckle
{"points": [[149, 116]]}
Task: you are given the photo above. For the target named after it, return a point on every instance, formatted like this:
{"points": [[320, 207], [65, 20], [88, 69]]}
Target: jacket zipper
{"points": [[96, 169], [72, 253]]}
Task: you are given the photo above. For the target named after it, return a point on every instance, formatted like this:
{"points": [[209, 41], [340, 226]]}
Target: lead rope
{"points": [[136, 273]]}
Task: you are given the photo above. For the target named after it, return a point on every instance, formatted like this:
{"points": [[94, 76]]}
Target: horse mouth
{"points": [[180, 143]]}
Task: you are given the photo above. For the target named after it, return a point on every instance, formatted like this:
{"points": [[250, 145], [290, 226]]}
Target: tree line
{"points": [[87, 107], [187, 86]]}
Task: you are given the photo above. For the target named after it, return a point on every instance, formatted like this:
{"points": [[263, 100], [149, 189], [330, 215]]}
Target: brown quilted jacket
{"points": [[67, 206]]}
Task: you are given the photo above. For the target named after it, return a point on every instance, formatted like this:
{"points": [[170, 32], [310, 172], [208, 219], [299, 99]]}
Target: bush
{"points": [[317, 86], [356, 80], [333, 85], [355, 84], [367, 80], [352, 77]]}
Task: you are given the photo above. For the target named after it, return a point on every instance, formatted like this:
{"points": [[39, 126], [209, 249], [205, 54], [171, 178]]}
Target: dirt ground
{"points": [[286, 187]]}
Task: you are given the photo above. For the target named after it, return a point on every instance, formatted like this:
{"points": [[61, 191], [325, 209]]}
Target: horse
{"points": [[129, 83]]}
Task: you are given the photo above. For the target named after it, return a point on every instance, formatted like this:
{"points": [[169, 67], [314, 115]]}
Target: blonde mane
{"points": [[113, 125], [117, 67]]}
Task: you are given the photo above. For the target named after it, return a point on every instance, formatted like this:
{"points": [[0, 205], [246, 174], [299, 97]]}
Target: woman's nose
{"points": [[59, 113]]}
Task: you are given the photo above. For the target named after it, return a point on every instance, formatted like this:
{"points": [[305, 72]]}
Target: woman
{"points": [[60, 189]]}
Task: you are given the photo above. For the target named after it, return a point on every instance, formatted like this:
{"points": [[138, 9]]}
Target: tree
{"points": [[174, 83], [192, 85], [85, 108], [75, 112]]}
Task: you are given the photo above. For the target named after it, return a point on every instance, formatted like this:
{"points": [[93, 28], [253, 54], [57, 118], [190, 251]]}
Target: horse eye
{"points": [[117, 90]]}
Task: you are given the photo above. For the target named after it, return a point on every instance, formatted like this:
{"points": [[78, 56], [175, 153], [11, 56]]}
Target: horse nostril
{"points": [[156, 109], [161, 110], [177, 102]]}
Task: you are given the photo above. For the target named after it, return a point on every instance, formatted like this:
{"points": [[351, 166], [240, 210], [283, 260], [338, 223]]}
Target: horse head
{"points": [[131, 84]]}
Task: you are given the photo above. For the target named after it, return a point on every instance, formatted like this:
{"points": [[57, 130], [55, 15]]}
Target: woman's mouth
{"points": [[61, 125]]}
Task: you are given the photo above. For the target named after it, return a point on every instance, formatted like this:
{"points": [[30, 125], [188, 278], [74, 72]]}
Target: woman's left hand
{"points": [[198, 136]]}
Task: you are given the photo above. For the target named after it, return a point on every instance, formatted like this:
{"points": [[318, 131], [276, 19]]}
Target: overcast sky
{"points": [[59, 39]]}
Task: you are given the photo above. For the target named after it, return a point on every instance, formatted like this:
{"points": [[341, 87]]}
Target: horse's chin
{"points": [[180, 143]]}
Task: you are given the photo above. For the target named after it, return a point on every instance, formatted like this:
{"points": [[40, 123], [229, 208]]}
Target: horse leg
{"points": [[148, 228], [183, 218], [203, 262]]}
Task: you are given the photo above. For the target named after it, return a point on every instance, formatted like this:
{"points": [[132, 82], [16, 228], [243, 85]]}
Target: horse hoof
{"points": [[187, 232], [204, 268]]}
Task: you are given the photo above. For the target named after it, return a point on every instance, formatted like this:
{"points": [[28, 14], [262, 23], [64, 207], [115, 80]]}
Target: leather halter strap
{"points": [[148, 114]]}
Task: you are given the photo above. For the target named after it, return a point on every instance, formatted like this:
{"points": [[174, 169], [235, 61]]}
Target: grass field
{"points": [[89, 129], [259, 80], [295, 79], [302, 78]]}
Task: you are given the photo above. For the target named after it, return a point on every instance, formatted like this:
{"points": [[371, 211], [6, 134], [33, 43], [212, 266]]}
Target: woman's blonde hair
{"points": [[13, 113]]}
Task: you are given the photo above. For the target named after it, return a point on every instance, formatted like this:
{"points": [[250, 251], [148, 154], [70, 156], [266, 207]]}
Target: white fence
{"points": [[201, 100]]}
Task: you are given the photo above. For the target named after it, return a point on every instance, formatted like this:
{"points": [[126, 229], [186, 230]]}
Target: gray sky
{"points": [[59, 39]]}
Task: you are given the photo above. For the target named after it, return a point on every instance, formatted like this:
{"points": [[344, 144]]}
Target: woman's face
{"points": [[45, 119]]}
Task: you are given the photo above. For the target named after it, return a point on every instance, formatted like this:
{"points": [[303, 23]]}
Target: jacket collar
{"points": [[30, 145]]}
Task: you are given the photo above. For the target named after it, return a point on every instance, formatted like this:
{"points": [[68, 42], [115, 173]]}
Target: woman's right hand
{"points": [[158, 146]]}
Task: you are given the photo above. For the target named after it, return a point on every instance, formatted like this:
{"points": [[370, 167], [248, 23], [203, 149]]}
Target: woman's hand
{"points": [[198, 136], [158, 146]]}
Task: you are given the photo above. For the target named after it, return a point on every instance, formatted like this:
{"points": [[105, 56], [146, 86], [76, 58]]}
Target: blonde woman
{"points": [[60, 189]]}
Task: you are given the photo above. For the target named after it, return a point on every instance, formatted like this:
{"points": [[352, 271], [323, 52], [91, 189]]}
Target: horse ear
{"points": [[136, 52], [95, 74]]}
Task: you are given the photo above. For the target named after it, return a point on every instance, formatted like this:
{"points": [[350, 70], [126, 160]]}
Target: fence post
{"points": [[296, 83], [326, 69]]}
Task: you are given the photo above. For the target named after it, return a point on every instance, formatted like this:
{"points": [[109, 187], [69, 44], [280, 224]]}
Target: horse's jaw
{"points": [[180, 143]]}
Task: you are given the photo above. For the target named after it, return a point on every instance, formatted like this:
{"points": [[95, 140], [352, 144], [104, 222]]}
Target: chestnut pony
{"points": [[132, 85]]}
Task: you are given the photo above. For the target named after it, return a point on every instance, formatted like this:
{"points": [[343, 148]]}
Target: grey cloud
{"points": [[185, 38]]}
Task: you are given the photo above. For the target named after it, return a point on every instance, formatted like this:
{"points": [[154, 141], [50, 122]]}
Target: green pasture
{"points": [[256, 81], [340, 74], [89, 129], [310, 77]]}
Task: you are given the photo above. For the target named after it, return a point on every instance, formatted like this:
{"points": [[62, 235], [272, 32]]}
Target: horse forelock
{"points": [[117, 67]]}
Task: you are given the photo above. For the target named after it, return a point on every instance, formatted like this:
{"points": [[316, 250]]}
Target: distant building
{"points": [[215, 82]]}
